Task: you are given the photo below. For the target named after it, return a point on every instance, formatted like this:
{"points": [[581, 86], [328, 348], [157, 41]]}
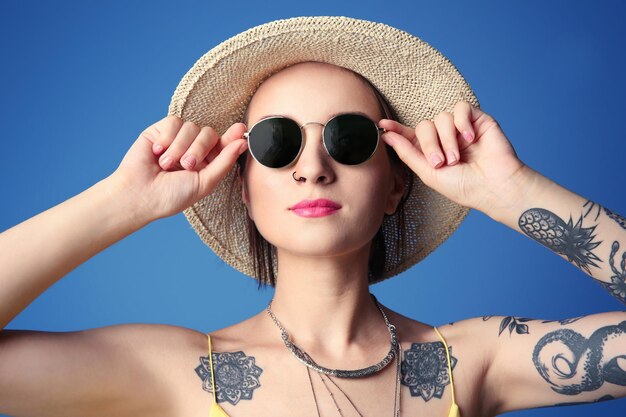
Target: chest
{"points": [[257, 384]]}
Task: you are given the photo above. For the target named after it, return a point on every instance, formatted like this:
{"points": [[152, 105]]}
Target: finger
{"points": [[234, 132], [464, 116], [184, 138], [200, 148], [411, 155], [444, 122], [163, 132], [395, 126], [428, 139], [211, 174]]}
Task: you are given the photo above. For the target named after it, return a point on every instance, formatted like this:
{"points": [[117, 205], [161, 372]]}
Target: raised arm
{"points": [[531, 363], [39, 251], [100, 372], [591, 237], [485, 174]]}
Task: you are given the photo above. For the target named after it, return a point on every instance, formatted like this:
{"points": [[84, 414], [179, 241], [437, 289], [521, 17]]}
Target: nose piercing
{"points": [[293, 175]]}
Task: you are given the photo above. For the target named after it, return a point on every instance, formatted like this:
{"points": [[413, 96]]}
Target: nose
{"points": [[314, 163]]}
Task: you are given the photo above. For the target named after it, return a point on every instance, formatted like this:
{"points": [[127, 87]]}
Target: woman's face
{"points": [[313, 92]]}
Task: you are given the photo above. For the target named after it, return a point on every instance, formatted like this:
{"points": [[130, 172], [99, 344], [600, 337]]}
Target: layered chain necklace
{"points": [[302, 356]]}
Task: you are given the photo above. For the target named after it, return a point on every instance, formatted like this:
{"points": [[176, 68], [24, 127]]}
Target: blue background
{"points": [[81, 80]]}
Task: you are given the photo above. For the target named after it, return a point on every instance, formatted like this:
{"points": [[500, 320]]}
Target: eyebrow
{"points": [[331, 116]]}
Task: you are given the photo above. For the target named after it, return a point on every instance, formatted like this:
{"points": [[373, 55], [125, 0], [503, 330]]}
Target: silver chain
{"points": [[396, 405], [304, 357]]}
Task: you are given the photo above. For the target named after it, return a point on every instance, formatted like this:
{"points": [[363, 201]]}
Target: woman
{"points": [[323, 215]]}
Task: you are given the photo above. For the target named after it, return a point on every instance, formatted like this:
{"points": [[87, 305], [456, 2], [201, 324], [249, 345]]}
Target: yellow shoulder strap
{"points": [[454, 409], [216, 410], [211, 362]]}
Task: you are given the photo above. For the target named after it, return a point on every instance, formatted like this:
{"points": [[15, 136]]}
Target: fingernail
{"points": [[435, 159], [468, 135], [166, 162], [189, 161], [158, 148], [451, 157]]}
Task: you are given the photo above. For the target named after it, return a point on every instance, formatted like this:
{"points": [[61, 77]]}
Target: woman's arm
{"points": [[110, 370], [532, 363], [591, 237], [40, 251], [485, 174]]}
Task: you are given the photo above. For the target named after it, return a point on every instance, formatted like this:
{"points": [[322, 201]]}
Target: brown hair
{"points": [[263, 252]]}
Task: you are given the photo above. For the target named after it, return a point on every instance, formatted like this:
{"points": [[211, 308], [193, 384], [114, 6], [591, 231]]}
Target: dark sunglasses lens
{"points": [[275, 142], [350, 138]]}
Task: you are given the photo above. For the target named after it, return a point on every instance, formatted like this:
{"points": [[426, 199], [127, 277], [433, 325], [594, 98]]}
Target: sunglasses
{"points": [[349, 139]]}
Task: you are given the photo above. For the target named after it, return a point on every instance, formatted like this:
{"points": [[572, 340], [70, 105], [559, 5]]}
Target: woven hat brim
{"points": [[415, 79]]}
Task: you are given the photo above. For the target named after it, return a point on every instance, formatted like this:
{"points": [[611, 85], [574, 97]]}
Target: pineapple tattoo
{"points": [[573, 241], [611, 215]]}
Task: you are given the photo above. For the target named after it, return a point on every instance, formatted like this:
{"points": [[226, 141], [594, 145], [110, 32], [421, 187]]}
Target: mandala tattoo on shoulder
{"points": [[571, 363], [573, 241], [424, 369], [236, 376]]}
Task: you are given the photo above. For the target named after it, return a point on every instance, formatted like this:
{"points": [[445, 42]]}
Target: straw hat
{"points": [[416, 80]]}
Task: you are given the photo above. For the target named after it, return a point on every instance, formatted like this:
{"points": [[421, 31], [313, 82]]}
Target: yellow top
{"points": [[217, 411]]}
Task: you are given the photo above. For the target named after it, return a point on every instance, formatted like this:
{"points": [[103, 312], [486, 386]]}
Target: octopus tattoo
{"points": [[424, 369], [236, 376], [571, 364], [617, 286]]}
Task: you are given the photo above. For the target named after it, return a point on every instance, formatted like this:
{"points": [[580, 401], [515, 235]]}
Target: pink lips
{"points": [[315, 208]]}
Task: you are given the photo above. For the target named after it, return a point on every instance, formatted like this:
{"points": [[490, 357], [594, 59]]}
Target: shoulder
{"points": [[424, 353], [466, 332]]}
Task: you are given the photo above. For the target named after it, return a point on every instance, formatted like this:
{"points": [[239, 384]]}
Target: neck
{"points": [[325, 304]]}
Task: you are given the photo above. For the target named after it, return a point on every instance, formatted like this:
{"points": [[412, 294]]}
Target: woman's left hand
{"points": [[475, 172]]}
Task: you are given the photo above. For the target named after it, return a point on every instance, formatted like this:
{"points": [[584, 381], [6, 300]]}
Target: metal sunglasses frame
{"points": [[379, 131]]}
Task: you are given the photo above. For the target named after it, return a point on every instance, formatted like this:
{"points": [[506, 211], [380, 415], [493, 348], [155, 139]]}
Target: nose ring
{"points": [[299, 179]]}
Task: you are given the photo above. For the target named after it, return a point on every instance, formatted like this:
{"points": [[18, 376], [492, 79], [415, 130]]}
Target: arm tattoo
{"points": [[618, 219], [516, 323], [565, 321], [571, 364], [573, 241], [617, 286], [424, 369], [614, 216], [512, 323], [236, 376]]}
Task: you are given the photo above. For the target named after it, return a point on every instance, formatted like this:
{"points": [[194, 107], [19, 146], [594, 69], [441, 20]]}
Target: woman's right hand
{"points": [[158, 175]]}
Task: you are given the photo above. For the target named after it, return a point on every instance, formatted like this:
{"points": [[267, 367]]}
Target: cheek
{"points": [[263, 200], [372, 199]]}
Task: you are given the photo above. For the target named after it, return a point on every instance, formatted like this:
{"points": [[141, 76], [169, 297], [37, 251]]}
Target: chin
{"points": [[315, 245]]}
